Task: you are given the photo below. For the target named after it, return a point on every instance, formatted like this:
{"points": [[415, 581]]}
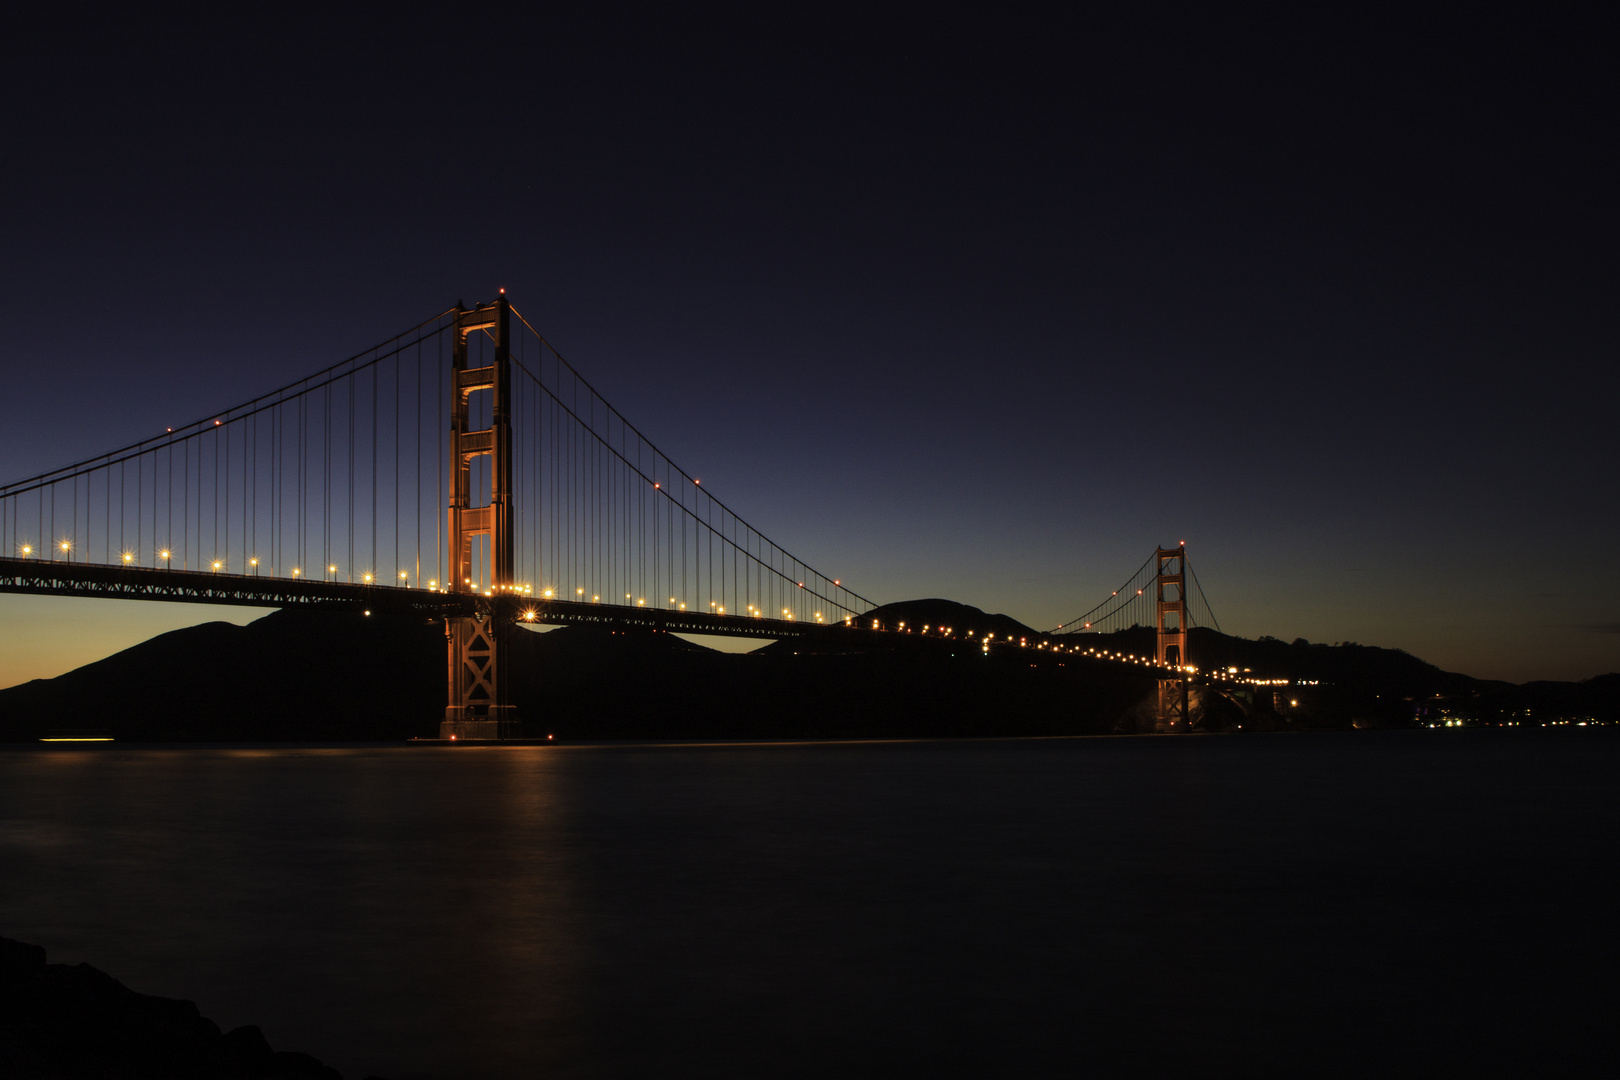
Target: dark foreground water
{"points": [[1360, 903]]}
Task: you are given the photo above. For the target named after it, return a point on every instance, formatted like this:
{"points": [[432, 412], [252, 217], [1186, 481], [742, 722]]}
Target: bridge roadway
{"points": [[44, 577]]}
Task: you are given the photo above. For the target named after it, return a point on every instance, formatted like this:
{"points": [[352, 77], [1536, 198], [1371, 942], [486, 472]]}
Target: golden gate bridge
{"points": [[465, 470]]}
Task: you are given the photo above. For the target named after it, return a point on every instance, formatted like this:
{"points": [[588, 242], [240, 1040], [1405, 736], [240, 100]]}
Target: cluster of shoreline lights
{"points": [[1468, 721]]}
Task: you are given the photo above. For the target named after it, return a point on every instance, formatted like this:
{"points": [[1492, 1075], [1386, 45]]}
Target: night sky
{"points": [[982, 310]]}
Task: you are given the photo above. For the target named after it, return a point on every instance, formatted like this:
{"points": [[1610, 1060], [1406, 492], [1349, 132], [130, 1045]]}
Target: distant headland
{"points": [[315, 674]]}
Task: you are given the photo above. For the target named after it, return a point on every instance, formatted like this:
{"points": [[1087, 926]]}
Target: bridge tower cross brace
{"points": [[478, 704], [1171, 583]]}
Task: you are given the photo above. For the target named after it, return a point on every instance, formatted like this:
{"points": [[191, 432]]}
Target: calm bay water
{"points": [[1366, 902]]}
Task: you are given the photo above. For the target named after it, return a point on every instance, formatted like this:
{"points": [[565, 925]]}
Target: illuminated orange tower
{"points": [[477, 706], [1172, 586]]}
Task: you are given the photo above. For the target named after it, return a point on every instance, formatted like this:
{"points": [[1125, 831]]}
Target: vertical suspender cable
{"points": [[439, 500], [416, 504], [393, 578], [375, 394], [227, 552]]}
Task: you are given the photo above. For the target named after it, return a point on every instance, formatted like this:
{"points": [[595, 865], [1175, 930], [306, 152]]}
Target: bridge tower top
{"points": [[481, 514]]}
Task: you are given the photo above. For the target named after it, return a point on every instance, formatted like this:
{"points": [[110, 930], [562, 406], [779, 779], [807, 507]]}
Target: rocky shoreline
{"points": [[76, 1022]]}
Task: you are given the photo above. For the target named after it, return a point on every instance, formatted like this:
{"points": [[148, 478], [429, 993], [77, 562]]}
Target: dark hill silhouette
{"points": [[1391, 671], [298, 673], [313, 674], [593, 683], [338, 675], [961, 618], [1388, 671], [1372, 686]]}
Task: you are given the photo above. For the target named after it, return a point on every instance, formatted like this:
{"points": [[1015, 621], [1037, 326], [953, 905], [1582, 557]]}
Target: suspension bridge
{"points": [[465, 470]]}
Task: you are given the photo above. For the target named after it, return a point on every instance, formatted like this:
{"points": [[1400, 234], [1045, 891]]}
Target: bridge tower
{"points": [[477, 705], [1172, 653]]}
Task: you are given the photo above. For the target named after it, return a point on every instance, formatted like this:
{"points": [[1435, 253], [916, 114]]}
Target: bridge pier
{"points": [[477, 704], [476, 708]]}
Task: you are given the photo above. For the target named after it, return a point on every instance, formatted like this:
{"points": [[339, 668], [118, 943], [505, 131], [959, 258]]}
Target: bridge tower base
{"points": [[480, 730], [477, 704], [475, 712], [1174, 715]]}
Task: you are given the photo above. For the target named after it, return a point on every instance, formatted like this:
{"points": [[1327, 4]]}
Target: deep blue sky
{"points": [[976, 309]]}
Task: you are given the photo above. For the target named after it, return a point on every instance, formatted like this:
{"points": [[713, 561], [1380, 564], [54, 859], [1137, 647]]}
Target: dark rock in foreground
{"points": [[74, 1022]]}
